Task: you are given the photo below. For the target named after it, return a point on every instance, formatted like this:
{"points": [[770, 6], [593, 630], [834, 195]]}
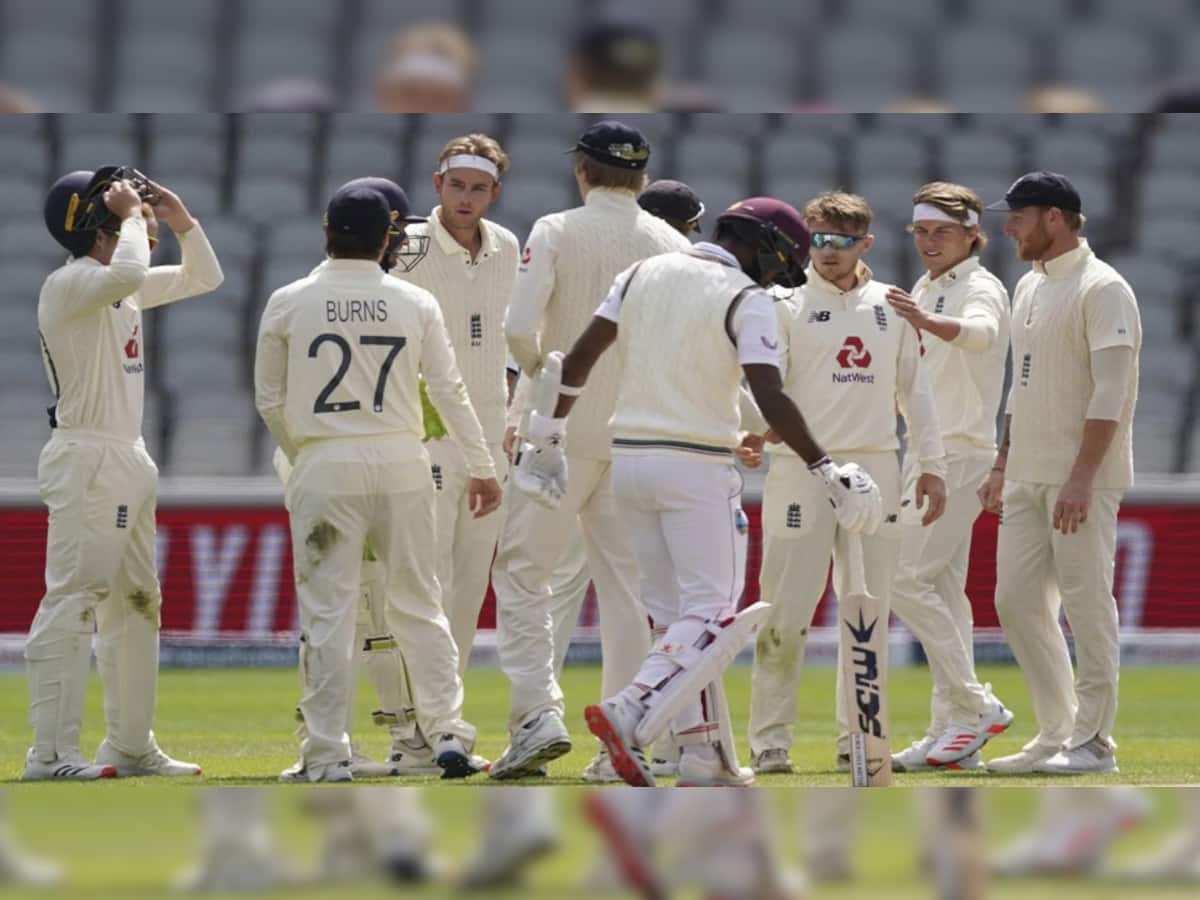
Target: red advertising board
{"points": [[228, 568]]}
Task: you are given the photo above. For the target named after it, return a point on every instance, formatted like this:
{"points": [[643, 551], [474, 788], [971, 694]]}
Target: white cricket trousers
{"points": [[1039, 570], [681, 516], [465, 545], [800, 533], [101, 576], [533, 541], [929, 591], [342, 493]]}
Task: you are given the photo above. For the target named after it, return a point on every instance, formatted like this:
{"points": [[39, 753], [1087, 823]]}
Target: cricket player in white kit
{"points": [[470, 268], [1058, 477], [849, 362], [567, 265], [960, 311], [377, 651], [327, 350], [688, 325], [95, 475]]}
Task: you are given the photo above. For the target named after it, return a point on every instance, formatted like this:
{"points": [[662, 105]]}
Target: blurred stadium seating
{"points": [[259, 182], [757, 55]]}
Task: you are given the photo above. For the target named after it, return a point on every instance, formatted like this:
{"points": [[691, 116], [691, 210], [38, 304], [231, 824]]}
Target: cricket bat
{"points": [[864, 677]]}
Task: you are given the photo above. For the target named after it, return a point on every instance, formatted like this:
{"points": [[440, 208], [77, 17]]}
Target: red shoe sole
{"points": [[622, 760], [632, 863]]}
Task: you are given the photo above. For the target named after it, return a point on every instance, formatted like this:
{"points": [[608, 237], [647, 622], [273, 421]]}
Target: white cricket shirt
{"points": [[473, 295], [90, 325], [967, 383], [1064, 309], [566, 269], [340, 354]]}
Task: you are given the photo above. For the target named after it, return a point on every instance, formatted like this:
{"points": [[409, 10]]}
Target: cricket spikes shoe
{"points": [[958, 741], [541, 740], [772, 761], [1096, 756], [454, 760], [65, 768], [412, 757], [1022, 762], [152, 762], [600, 770], [710, 770], [613, 722], [912, 757], [329, 773], [362, 766]]}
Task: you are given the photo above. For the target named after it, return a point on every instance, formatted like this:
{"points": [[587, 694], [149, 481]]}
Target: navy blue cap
{"points": [[397, 199], [669, 199], [615, 144], [359, 211], [622, 45], [1040, 189]]}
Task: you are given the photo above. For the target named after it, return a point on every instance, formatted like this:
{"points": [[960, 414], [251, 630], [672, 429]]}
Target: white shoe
{"points": [[613, 722], [1178, 862], [412, 757], [912, 757], [664, 762], [696, 770], [331, 772], [600, 770], [842, 763], [152, 762], [542, 739], [958, 740], [664, 768], [19, 868], [362, 766], [1021, 763], [773, 761], [1073, 840], [454, 760], [65, 768], [502, 859], [1094, 756]]}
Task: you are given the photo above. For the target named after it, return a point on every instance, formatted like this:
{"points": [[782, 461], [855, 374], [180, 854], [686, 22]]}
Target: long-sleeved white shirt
{"points": [[567, 267], [340, 354], [90, 326], [473, 295], [1063, 311], [849, 362], [966, 374]]}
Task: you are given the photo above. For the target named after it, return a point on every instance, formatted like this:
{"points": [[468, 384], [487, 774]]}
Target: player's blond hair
{"points": [[955, 200], [438, 39], [600, 174], [847, 212], [477, 145]]}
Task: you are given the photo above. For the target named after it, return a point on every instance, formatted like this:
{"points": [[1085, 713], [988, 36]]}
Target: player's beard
{"points": [[1036, 243]]}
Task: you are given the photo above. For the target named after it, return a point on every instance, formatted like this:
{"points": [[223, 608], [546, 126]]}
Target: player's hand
{"points": [[749, 451], [856, 500], [123, 200], [510, 441], [932, 488], [772, 437], [170, 209], [991, 492], [1071, 506], [906, 307], [483, 496], [540, 469]]}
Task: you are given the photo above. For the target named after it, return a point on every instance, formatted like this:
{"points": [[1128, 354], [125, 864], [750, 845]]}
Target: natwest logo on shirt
{"points": [[853, 354], [131, 345]]}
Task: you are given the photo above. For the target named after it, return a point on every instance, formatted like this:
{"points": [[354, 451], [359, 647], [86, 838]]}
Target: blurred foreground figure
{"points": [[1179, 858], [614, 66], [430, 68], [1074, 829], [716, 840], [18, 868]]}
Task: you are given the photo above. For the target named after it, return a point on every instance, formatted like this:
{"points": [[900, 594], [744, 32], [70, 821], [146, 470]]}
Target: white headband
{"points": [[431, 67], [929, 211], [470, 161]]}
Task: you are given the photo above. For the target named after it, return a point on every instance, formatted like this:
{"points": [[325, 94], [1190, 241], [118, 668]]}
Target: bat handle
{"points": [[857, 569]]}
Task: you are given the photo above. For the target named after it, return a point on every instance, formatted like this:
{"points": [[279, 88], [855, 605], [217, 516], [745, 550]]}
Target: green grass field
{"points": [[237, 723]]}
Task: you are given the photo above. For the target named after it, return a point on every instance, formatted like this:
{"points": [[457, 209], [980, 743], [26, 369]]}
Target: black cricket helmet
{"points": [[75, 209]]}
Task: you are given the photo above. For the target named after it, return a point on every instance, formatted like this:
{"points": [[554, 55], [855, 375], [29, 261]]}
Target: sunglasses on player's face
{"points": [[822, 239]]}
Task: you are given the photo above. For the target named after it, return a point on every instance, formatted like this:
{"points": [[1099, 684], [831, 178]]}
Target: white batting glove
{"points": [[540, 469], [856, 500]]}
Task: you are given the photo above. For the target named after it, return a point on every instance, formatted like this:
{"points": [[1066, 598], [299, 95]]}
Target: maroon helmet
{"points": [[778, 231]]}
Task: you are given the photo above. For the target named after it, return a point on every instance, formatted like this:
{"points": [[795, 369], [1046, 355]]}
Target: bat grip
{"points": [[857, 569]]}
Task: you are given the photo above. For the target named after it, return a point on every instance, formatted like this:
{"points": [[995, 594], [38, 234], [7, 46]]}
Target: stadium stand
{"points": [[259, 183]]}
